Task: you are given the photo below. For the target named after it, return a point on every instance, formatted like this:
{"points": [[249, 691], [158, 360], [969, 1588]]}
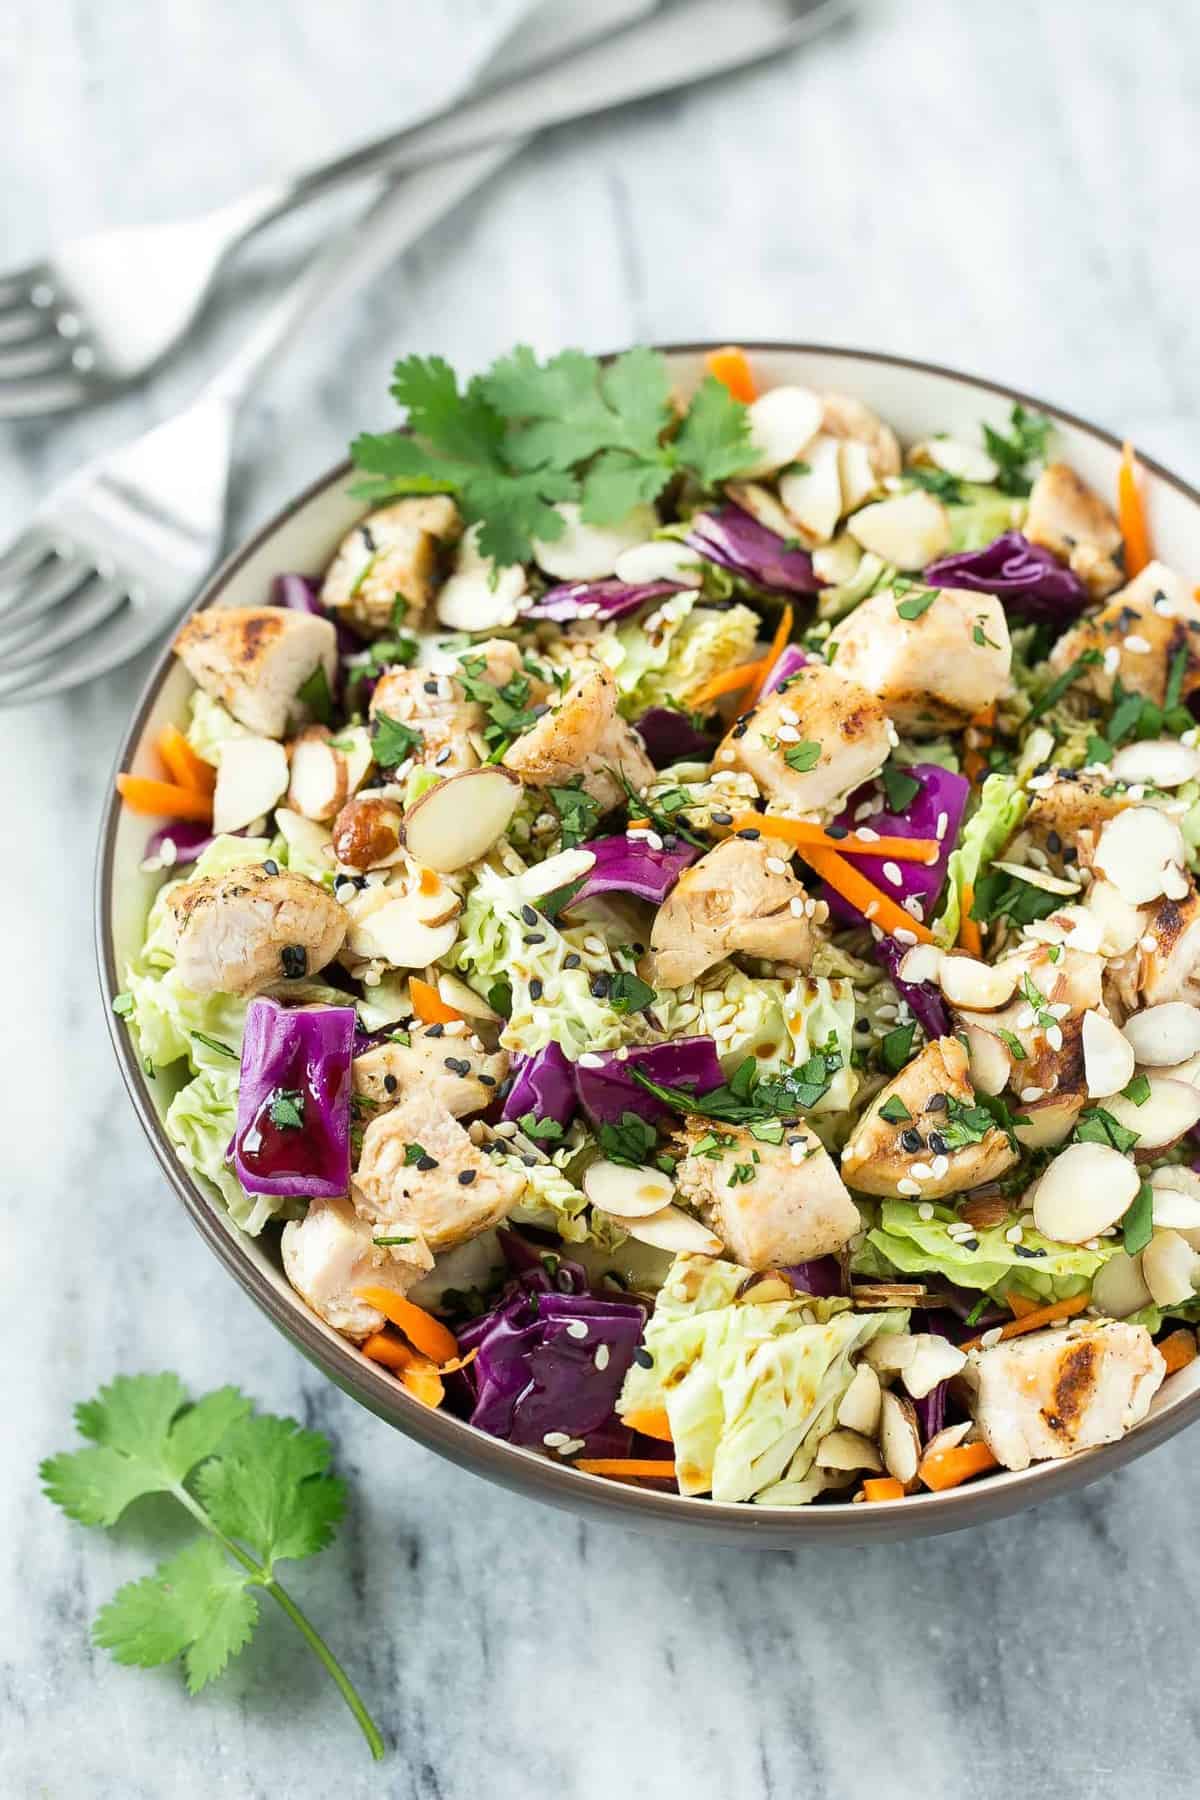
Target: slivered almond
{"points": [[782, 423], [981, 986], [627, 1193], [1108, 1059], [908, 531], [812, 493], [673, 1229], [1170, 1109], [899, 1437], [1118, 1288], [455, 823], [1086, 1189], [1050, 1121], [934, 1359], [319, 779], [989, 1062], [1143, 854], [1170, 1269], [880, 1296], [858, 1409], [1165, 1036], [251, 779], [1158, 762], [847, 1450], [956, 458], [984, 1211]]}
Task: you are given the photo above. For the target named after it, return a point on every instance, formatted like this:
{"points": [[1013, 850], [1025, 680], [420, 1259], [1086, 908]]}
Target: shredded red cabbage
{"points": [[1029, 579], [293, 1120], [789, 662], [190, 837], [735, 541], [607, 1089], [609, 599], [626, 865], [670, 737], [822, 1277], [544, 1085], [924, 998]]}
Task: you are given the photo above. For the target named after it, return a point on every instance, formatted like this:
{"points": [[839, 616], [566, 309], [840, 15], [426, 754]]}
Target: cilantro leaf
{"points": [[916, 604], [631, 1142], [714, 440], [197, 1605], [895, 1111], [1026, 443], [999, 895], [1137, 1225], [900, 787], [617, 482], [947, 487], [1059, 686], [896, 1048], [1098, 1126], [628, 993], [287, 1109], [270, 1488], [315, 694], [578, 814], [803, 757], [393, 742]]}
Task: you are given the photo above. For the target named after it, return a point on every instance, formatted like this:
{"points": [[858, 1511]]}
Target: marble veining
{"points": [[1012, 189]]}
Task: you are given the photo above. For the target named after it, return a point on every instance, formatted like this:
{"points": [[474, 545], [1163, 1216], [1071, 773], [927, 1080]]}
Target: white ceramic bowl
{"points": [[917, 399]]}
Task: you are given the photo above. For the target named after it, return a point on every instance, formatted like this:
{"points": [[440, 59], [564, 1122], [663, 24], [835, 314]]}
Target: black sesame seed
{"points": [[368, 537], [911, 1139], [1023, 1250], [643, 1358], [1053, 842], [435, 1031], [529, 916], [534, 937], [971, 1243], [390, 1083], [721, 818], [751, 832], [466, 1177], [638, 949], [862, 1024], [430, 687], [543, 706], [535, 988], [1070, 854], [739, 730], [837, 831], [530, 1162], [488, 1080], [443, 756], [427, 1163], [572, 961], [270, 867], [506, 1086], [600, 985], [936, 1103], [294, 961], [937, 1143]]}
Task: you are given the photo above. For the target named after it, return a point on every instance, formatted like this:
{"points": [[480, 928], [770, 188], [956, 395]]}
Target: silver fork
{"points": [[103, 310]]}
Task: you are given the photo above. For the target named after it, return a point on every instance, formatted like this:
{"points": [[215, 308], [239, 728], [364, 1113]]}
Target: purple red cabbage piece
{"points": [[190, 837], [1030, 580], [607, 1089], [609, 599], [789, 662], [544, 1085], [293, 1120], [821, 1277], [732, 539], [631, 865], [671, 737]]}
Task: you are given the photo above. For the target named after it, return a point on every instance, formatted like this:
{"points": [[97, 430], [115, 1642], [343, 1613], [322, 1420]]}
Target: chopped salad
{"points": [[687, 930]]}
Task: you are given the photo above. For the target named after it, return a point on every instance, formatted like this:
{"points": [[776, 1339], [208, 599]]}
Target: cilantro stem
{"points": [[304, 1626]]}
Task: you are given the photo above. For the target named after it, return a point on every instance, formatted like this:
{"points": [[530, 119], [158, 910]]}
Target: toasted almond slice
{"points": [[783, 421], [989, 1062], [464, 999], [934, 1359], [1170, 1269], [1171, 1108], [881, 1296], [251, 778], [956, 458], [1038, 878], [922, 963], [1086, 1189], [1108, 1059], [478, 596], [589, 552], [627, 1193], [673, 1229], [981, 986], [319, 779], [393, 932], [1118, 1288], [899, 1438], [847, 1450], [856, 473], [762, 505], [1176, 1208], [1165, 1036], [837, 562], [1157, 762], [455, 823], [984, 1211], [766, 1289], [366, 833], [858, 1409], [909, 530], [949, 1437], [811, 493], [891, 1352], [1050, 1121], [1143, 854], [434, 901], [355, 745], [1119, 921], [555, 872], [660, 559]]}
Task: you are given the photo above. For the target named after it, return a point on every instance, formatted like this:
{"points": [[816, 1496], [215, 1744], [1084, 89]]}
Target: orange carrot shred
{"points": [[1033, 1321], [428, 1004], [803, 835], [970, 938], [1020, 1307], [185, 768], [653, 1422], [947, 1468], [731, 368], [423, 1331], [728, 682], [646, 1467], [1131, 515], [416, 1374], [975, 762], [381, 1347], [783, 632], [876, 906], [883, 1487], [163, 799], [1177, 1350]]}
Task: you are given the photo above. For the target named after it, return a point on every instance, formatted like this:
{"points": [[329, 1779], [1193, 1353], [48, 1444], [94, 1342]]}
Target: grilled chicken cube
{"points": [[255, 660], [420, 1172], [1137, 636], [330, 1252], [1068, 519], [583, 735], [395, 554], [812, 741], [786, 1207], [740, 896], [438, 706], [1169, 951], [457, 1071], [932, 671], [249, 930], [905, 1144], [1056, 986], [1051, 1393]]}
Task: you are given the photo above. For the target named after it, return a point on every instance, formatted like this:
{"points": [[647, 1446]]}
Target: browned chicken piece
{"points": [[1137, 636], [1051, 1393], [1045, 1020], [419, 1171], [255, 660], [437, 705], [742, 896], [845, 417], [330, 1253], [457, 1071], [583, 735], [908, 1145], [811, 742], [249, 930], [395, 555], [936, 670], [1168, 952], [1073, 523], [786, 1207], [1066, 818]]}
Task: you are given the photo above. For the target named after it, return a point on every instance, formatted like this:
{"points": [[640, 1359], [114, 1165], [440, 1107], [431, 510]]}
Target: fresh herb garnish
{"points": [[1138, 1090], [215, 1045], [287, 1109], [1097, 1126], [916, 603], [1137, 1225], [542, 1131], [740, 1174], [415, 1154], [965, 1124], [1012, 1044], [1025, 443], [803, 757], [393, 742], [315, 694], [122, 1005], [384, 1242], [500, 994], [631, 1142], [578, 814], [628, 993], [750, 1096], [977, 1311], [947, 487], [900, 787], [507, 708], [526, 436], [999, 895], [896, 1048], [1059, 686], [895, 1111], [258, 1486]]}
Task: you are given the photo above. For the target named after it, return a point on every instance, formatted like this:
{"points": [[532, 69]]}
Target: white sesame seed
{"points": [[1112, 660], [725, 756], [913, 905], [622, 1055], [1164, 606], [1092, 1244], [820, 912], [920, 1171], [867, 834], [1026, 1019], [943, 825], [906, 1185], [1149, 943], [1060, 1009], [789, 716], [904, 936], [1136, 791], [571, 1447], [1030, 1094], [1054, 1036], [1139, 645], [797, 1153], [788, 734], [989, 1338], [554, 1440], [589, 1060], [1038, 783], [601, 1357], [595, 946], [1013, 1235], [577, 1328], [506, 1128], [776, 865], [925, 1210], [872, 909], [796, 906], [940, 1166]]}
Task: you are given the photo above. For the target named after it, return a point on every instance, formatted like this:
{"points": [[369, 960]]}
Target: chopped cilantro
{"points": [[1138, 1090], [803, 757], [896, 1048], [215, 1044], [1097, 1126], [916, 604], [900, 787], [577, 812], [500, 995], [895, 1111], [414, 1154], [947, 487], [287, 1109], [628, 993], [1059, 686], [542, 1131], [999, 895], [315, 694], [1137, 1225], [394, 742], [631, 1142], [1025, 443], [384, 1242]]}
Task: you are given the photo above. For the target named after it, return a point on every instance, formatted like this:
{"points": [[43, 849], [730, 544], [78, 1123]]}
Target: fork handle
{"points": [[686, 44]]}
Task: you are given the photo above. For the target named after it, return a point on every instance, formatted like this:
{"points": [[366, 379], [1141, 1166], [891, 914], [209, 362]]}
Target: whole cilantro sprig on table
{"points": [[515, 442], [257, 1484]]}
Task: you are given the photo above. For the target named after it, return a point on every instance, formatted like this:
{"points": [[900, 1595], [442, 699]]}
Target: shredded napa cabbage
{"points": [[689, 644], [1002, 806], [902, 1242], [211, 725]]}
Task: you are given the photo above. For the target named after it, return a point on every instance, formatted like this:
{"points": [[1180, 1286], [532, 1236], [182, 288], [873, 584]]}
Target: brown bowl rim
{"points": [[527, 1471]]}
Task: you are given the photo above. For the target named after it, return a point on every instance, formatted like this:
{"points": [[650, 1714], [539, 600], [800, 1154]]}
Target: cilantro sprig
{"points": [[750, 1097], [1026, 443], [514, 443], [257, 1485]]}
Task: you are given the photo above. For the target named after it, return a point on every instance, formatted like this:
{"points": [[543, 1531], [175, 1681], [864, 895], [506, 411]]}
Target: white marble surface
{"points": [[1011, 188]]}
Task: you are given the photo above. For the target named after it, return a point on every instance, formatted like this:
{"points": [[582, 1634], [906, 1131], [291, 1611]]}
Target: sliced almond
{"points": [[989, 1063], [948, 1438], [589, 552], [1143, 854], [762, 505], [811, 493], [661, 559], [922, 963], [1108, 1059], [837, 563], [1171, 1108], [479, 596], [434, 901], [319, 780], [251, 778], [767, 1289], [1170, 1269], [366, 833], [858, 1409], [1188, 1071], [355, 744], [847, 1450], [984, 1211], [391, 931], [856, 473], [882, 1296], [1049, 1122], [1118, 1288], [983, 987], [1175, 1208], [464, 999], [1087, 1188], [899, 1437], [935, 1359], [956, 458], [555, 872], [455, 823], [627, 1193], [1120, 924], [908, 530], [782, 423], [672, 1229], [1157, 762], [1165, 1036], [1039, 878], [890, 1353], [305, 839]]}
